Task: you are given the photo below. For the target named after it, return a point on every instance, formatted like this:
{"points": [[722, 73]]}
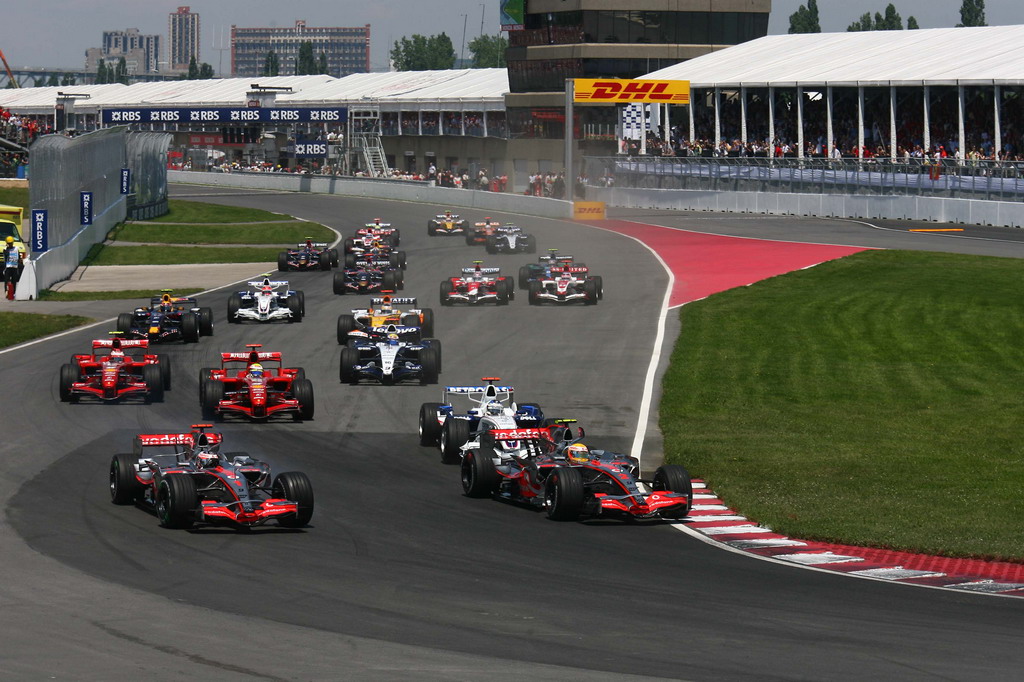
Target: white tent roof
{"points": [[42, 100], [456, 89], [989, 55]]}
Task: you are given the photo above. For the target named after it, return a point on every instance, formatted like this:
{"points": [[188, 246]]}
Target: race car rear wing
{"points": [[274, 356], [152, 439], [394, 300], [124, 343], [377, 226], [484, 271], [480, 393], [393, 329], [267, 283], [315, 245]]}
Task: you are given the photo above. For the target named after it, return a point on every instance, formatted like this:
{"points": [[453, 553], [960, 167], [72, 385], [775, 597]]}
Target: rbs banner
{"points": [[224, 115], [616, 91]]}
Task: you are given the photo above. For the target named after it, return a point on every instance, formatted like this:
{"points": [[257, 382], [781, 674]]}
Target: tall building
{"points": [[347, 49], [182, 38], [563, 39], [141, 52]]}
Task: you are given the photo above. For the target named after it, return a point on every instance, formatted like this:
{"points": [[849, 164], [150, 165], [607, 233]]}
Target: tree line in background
{"points": [[428, 53], [807, 20], [306, 64]]}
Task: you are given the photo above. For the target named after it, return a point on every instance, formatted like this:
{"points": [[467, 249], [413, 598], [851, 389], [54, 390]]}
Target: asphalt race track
{"points": [[402, 577]]}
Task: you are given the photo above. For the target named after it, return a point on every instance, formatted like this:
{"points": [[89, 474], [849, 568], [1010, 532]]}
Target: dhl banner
{"points": [[588, 210], [614, 91]]}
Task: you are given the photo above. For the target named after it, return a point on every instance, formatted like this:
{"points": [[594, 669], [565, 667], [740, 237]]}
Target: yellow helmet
{"points": [[10, 239], [256, 369], [578, 452]]}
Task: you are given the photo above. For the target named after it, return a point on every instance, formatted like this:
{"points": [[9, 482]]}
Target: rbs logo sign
{"points": [[310, 149]]}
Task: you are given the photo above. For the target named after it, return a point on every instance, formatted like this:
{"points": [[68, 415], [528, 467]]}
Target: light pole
{"points": [[462, 51]]}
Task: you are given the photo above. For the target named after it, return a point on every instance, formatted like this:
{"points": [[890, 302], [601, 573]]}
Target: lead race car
{"points": [[167, 318], [308, 255], [116, 374], [492, 407], [569, 480], [446, 223], [477, 285], [267, 301], [242, 385], [380, 354], [186, 479]]}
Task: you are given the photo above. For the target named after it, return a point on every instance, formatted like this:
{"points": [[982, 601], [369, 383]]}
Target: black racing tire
{"points": [[339, 283], [346, 323], [471, 238], [446, 290], [204, 378], [479, 477], [676, 479], [212, 395], [436, 345], [124, 322], [295, 306], [431, 229], [334, 257], [190, 328], [394, 260], [164, 363], [301, 295], [400, 278], [282, 261], [124, 486], [294, 486], [427, 323], [350, 242], [533, 295], [347, 371], [154, 383], [501, 293], [396, 237], [206, 321], [524, 276], [530, 245], [600, 286], [429, 361], [389, 281], [563, 494], [429, 428], [177, 501], [302, 390], [325, 260], [300, 374], [350, 260], [403, 260], [590, 289], [410, 320], [454, 434], [491, 245], [69, 374], [234, 305]]}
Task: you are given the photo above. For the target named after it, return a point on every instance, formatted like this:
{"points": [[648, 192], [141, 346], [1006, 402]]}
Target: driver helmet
{"points": [[393, 339], [493, 407], [385, 306], [206, 454], [116, 352], [448, 214], [10, 239], [577, 452], [376, 221], [256, 370]]}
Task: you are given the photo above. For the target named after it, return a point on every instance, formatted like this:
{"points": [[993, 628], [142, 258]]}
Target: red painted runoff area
{"points": [[704, 264]]}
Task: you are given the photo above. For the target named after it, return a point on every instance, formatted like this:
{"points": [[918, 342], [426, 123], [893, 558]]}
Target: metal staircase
{"points": [[364, 134]]}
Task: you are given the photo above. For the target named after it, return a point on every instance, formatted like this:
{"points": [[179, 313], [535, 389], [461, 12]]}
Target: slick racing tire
{"points": [[282, 261], [454, 434], [675, 479], [350, 260], [164, 363], [350, 243], [600, 286], [524, 276], [234, 305], [347, 371], [533, 295], [389, 281], [301, 295], [531, 244], [410, 320], [204, 378], [325, 260], [479, 477], [429, 428], [590, 289], [68, 376], [154, 383], [176, 501], [206, 321], [436, 345], [339, 283], [300, 374], [346, 324], [213, 394], [124, 322], [563, 494], [295, 306], [302, 390], [429, 366], [427, 322], [334, 257], [190, 328], [446, 290], [491, 245], [403, 261], [124, 487], [296, 487]]}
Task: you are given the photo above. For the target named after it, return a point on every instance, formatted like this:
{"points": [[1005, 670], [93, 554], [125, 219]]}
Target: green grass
{"points": [[873, 400], [178, 255], [262, 233], [50, 295], [199, 212], [17, 328], [15, 196]]}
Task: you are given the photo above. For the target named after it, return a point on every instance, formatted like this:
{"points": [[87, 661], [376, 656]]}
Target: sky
{"points": [[56, 33]]}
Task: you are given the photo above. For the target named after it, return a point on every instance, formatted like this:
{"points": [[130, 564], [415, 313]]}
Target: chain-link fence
{"points": [[147, 159], [949, 178]]}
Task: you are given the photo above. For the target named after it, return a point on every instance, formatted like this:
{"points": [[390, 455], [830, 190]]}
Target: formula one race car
{"points": [[373, 249], [116, 374], [367, 277], [493, 408], [308, 255], [479, 233], [167, 318], [243, 385], [186, 479], [477, 285], [566, 284], [568, 480], [446, 223], [510, 239], [381, 313], [380, 354], [264, 303], [380, 230]]}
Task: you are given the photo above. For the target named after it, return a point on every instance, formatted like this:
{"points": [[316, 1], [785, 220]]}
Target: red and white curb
{"points": [[714, 522]]}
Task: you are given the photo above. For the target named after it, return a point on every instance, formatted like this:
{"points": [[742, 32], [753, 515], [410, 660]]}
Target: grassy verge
{"points": [[199, 212], [178, 255], [261, 233], [17, 328], [15, 196], [50, 295], [872, 400]]}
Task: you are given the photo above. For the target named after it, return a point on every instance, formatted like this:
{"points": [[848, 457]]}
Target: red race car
{"points": [[187, 480], [256, 385], [478, 285], [116, 374], [378, 229]]}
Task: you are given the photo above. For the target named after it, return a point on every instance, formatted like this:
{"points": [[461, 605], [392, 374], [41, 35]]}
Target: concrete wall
{"points": [[383, 189], [968, 211]]}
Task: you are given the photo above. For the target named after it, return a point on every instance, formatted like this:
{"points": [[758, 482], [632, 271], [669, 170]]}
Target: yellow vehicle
{"points": [[382, 313], [10, 226]]}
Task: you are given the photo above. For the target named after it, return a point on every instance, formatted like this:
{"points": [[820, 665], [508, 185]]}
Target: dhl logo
{"points": [[588, 210], [613, 91]]}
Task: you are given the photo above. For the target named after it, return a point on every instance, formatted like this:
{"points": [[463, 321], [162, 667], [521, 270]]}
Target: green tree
{"points": [[38, 81], [321, 63], [193, 69], [912, 24], [805, 19], [972, 13], [865, 23], [68, 79], [101, 73], [892, 20], [53, 80], [271, 65], [205, 71], [489, 51], [305, 64], [421, 53], [121, 72]]}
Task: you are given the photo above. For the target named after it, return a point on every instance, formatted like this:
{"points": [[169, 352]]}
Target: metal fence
{"points": [[978, 180], [147, 160]]}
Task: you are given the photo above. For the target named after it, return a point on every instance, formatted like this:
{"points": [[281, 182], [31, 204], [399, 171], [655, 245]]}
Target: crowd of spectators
{"points": [[22, 130]]}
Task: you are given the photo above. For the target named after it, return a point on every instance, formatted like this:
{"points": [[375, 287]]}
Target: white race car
{"points": [[267, 301]]}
